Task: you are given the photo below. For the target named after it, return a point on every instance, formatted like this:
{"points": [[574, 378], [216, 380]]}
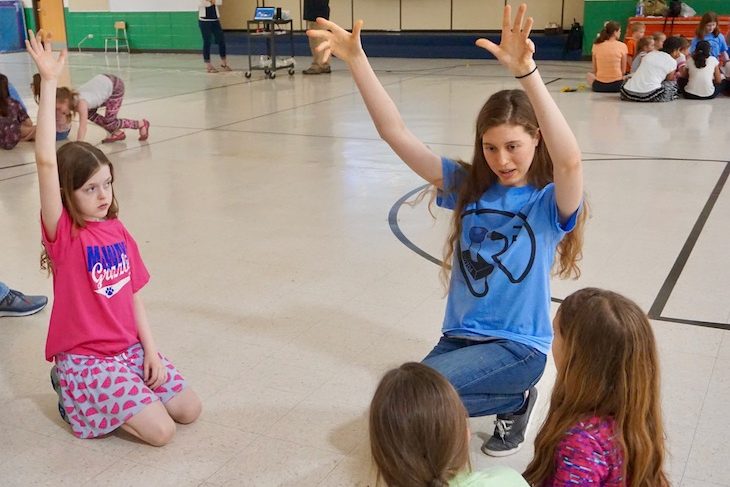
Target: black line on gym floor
{"points": [[666, 290], [655, 312]]}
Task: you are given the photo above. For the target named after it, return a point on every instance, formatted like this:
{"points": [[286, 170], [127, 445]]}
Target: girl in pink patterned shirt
{"points": [[604, 426]]}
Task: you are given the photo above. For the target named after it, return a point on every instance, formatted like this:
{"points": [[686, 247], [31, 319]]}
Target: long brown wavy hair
{"points": [[511, 107], [707, 18], [608, 368], [418, 428], [77, 162]]}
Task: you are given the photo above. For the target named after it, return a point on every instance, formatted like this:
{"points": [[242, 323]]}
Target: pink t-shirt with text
{"points": [[96, 271]]}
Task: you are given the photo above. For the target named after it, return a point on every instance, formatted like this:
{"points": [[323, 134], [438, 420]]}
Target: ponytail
{"points": [[608, 30], [702, 52]]}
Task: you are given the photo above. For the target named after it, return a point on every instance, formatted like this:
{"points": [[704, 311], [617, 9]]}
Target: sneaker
{"points": [[510, 430], [57, 387], [317, 69], [18, 304]]}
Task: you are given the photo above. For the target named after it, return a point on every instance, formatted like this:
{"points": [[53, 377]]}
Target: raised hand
{"points": [[337, 41], [40, 50], [515, 48]]}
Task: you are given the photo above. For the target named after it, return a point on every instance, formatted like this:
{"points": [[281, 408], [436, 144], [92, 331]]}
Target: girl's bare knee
{"points": [[190, 413], [186, 408], [161, 433]]}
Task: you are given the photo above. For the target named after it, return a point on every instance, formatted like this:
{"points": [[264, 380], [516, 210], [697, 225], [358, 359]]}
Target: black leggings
{"points": [[690, 96], [213, 28], [613, 87]]}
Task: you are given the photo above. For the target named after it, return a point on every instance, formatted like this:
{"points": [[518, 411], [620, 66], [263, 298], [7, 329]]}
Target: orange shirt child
{"points": [[636, 32]]}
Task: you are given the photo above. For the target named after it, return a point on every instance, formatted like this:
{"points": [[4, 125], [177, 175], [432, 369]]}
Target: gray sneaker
{"points": [[18, 304], [510, 430], [57, 387]]}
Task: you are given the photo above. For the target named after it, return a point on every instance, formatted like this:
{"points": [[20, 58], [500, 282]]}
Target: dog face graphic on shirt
{"points": [[485, 251]]}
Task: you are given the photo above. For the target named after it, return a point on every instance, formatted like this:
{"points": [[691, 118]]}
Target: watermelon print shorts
{"points": [[100, 394]]}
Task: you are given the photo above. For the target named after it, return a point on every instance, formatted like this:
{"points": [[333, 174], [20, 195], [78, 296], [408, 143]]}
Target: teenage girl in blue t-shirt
{"points": [[515, 206]]}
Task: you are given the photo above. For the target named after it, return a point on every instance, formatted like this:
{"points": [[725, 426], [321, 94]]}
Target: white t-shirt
{"points": [[96, 91], [208, 10], [654, 68], [701, 79]]}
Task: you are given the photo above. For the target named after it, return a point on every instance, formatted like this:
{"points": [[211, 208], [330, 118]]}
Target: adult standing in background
{"points": [[210, 25], [312, 10]]}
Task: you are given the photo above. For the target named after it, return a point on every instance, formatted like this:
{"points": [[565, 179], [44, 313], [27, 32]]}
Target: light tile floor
{"points": [[261, 208]]}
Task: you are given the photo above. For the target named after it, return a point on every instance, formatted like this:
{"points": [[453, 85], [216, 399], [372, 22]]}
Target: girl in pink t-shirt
{"points": [[108, 372], [604, 426]]}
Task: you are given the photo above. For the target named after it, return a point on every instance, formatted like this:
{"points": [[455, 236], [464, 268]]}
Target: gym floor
{"points": [[287, 275]]}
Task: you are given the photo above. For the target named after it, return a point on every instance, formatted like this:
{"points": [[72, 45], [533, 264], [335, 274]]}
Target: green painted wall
{"points": [[596, 12], [29, 19], [146, 30]]}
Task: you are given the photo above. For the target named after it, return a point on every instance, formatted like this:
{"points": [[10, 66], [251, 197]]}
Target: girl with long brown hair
{"points": [[709, 30], [419, 434], [108, 371], [609, 56], [604, 426], [515, 207]]}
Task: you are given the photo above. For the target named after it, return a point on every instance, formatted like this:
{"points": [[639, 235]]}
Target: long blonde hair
{"points": [[511, 107], [609, 368], [418, 428]]}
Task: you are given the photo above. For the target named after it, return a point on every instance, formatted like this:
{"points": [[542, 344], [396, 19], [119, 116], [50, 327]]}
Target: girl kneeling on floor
{"points": [[108, 373], [516, 206]]}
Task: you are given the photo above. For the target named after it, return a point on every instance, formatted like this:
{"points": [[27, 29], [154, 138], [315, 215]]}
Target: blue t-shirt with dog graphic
{"points": [[500, 279]]}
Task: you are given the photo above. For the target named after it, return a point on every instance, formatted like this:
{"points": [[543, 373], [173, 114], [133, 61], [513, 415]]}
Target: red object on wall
{"points": [[685, 26]]}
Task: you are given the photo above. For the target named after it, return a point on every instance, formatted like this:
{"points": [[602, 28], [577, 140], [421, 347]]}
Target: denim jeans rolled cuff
{"points": [[4, 290], [491, 377]]}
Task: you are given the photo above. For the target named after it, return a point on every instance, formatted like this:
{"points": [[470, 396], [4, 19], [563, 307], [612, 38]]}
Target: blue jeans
{"points": [[3, 290], [490, 377]]}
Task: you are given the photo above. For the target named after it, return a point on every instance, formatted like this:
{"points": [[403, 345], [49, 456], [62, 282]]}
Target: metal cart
{"points": [[270, 30]]}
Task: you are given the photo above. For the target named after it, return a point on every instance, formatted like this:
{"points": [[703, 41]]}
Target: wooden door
{"points": [[50, 16]]}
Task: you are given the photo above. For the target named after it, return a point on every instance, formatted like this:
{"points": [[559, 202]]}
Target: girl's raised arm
{"points": [[515, 52], [347, 47], [45, 141]]}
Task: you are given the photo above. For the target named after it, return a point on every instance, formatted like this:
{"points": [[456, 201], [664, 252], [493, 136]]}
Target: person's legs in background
{"points": [[221, 41], [14, 303], [206, 33], [319, 65]]}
